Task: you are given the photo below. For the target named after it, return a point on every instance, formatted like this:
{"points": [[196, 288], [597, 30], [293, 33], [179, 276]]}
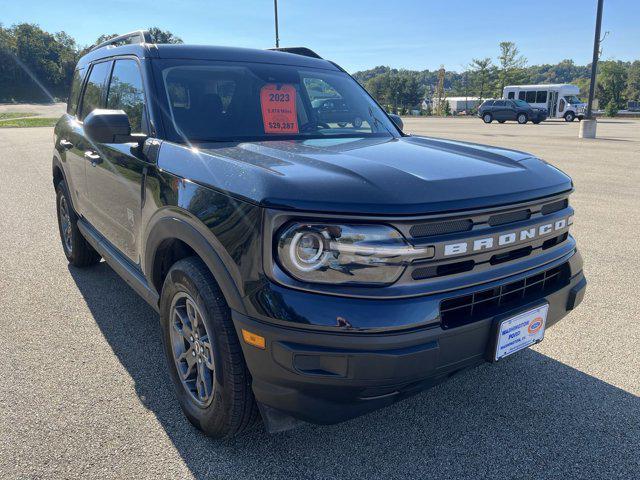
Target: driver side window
{"points": [[126, 93]]}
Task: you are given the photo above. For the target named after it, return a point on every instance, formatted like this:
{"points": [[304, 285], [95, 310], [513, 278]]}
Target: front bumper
{"points": [[328, 377]]}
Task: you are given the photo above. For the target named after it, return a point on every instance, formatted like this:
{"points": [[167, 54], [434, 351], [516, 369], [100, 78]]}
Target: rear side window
{"points": [[541, 96], [94, 91], [499, 103], [126, 93], [531, 97], [511, 95], [76, 85]]}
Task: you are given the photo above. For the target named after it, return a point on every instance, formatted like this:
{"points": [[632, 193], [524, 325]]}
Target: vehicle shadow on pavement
{"points": [[527, 417]]}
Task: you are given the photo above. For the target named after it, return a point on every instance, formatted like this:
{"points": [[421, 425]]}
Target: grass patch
{"points": [[8, 115], [28, 122]]}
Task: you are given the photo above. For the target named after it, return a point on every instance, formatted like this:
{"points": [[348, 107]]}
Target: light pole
{"points": [[588, 125], [275, 9]]}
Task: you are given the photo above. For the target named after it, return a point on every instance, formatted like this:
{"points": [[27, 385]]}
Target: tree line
{"points": [[36, 65], [400, 90]]}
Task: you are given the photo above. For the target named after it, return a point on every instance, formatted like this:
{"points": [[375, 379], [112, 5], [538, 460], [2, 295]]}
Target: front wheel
{"points": [[203, 353], [78, 251], [487, 118], [569, 117], [522, 118]]}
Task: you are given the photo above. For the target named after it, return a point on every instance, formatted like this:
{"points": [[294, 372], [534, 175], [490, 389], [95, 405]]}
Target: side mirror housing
{"points": [[110, 126], [397, 120]]}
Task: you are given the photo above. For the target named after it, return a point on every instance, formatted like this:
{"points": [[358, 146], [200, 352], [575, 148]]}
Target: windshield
{"points": [[234, 101], [572, 99]]}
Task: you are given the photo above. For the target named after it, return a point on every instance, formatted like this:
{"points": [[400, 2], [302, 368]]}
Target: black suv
{"points": [[503, 110], [304, 267]]}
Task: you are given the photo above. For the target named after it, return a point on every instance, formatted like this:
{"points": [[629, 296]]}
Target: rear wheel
{"points": [[487, 118], [203, 353], [569, 117], [522, 118], [78, 251]]}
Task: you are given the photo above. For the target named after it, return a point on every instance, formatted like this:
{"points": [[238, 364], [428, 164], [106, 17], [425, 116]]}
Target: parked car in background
{"points": [[560, 99], [503, 110]]}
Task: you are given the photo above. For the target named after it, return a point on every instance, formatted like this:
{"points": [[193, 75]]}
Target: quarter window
{"points": [[541, 96], [93, 92], [531, 97], [126, 93]]}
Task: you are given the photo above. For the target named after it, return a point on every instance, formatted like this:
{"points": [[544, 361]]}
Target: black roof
{"points": [[203, 52]]}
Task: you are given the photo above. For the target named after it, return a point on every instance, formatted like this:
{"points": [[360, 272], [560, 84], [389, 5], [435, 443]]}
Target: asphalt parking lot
{"points": [[84, 392]]}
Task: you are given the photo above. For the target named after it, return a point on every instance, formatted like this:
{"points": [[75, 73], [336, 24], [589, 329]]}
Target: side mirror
{"points": [[397, 120], [110, 126]]}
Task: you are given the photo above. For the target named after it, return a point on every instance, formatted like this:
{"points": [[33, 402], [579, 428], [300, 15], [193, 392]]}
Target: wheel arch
{"points": [[172, 238]]}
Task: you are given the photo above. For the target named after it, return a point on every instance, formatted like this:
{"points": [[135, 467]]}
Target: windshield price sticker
{"points": [[279, 113]]}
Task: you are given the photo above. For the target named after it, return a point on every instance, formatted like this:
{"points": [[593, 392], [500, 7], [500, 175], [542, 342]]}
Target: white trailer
{"points": [[560, 99]]}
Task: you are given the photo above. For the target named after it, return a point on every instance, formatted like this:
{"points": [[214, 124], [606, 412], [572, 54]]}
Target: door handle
{"points": [[66, 144], [93, 157]]}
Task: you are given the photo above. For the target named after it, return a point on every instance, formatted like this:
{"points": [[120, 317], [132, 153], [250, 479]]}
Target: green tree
{"points": [[511, 65], [633, 82], [611, 83], [163, 36], [482, 68]]}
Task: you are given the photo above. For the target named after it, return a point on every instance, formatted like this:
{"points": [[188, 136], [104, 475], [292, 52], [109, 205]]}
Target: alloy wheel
{"points": [[65, 224], [192, 350]]}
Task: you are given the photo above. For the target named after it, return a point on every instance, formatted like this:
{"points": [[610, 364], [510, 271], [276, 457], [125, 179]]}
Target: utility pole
{"points": [[588, 125], [275, 9]]}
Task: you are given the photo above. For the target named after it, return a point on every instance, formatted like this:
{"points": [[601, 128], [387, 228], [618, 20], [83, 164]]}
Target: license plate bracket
{"points": [[516, 331]]}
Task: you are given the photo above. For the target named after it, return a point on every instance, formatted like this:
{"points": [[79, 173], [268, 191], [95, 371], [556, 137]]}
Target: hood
{"points": [[404, 176]]}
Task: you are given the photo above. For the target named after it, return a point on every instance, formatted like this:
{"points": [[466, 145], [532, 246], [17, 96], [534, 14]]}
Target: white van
{"points": [[560, 99]]}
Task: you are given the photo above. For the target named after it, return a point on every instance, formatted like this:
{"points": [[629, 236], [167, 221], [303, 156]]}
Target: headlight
{"points": [[341, 254]]}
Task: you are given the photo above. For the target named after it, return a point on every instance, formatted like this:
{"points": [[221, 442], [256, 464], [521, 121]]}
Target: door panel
{"points": [[114, 182], [552, 103]]}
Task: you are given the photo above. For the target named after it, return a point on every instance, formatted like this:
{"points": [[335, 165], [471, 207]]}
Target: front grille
{"points": [[554, 207], [465, 309], [440, 228], [510, 217]]}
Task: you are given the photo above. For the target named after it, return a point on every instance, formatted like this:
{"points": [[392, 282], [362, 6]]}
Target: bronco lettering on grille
{"points": [[503, 239]]}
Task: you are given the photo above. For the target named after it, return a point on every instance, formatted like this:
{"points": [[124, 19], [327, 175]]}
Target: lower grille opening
{"points": [[552, 242], [442, 270], [458, 311], [512, 255]]}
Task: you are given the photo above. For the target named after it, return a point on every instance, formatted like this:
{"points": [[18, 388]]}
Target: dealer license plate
{"points": [[521, 331]]}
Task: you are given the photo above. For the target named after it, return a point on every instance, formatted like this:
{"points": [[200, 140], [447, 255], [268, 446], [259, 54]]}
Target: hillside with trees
{"points": [[398, 89], [37, 66]]}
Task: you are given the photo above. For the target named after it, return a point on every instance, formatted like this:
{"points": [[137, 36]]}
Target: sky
{"points": [[360, 34]]}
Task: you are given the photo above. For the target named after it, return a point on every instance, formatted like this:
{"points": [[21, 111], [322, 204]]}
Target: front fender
{"points": [[177, 224]]}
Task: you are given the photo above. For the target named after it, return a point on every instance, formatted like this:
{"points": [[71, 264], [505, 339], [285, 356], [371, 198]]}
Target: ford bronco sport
{"points": [[307, 264]]}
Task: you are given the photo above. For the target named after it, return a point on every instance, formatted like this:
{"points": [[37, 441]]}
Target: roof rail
{"points": [[139, 36], [307, 52]]}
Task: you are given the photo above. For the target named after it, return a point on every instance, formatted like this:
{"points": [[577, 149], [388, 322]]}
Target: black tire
{"points": [[232, 408], [569, 117], [501, 121], [522, 118], [487, 118], [536, 122], [78, 251]]}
